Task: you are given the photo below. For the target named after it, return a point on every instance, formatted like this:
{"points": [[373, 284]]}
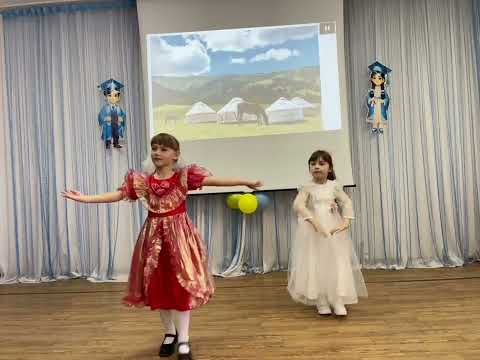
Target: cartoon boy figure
{"points": [[111, 117]]}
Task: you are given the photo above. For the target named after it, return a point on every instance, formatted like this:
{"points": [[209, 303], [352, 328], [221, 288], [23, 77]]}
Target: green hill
{"points": [[260, 88]]}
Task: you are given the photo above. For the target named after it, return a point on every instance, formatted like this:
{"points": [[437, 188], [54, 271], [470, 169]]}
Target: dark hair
{"points": [[108, 92], [325, 156], [371, 93], [166, 140]]}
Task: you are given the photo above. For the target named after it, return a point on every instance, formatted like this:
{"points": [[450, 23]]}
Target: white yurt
{"points": [[304, 104], [284, 111], [200, 113], [228, 113]]}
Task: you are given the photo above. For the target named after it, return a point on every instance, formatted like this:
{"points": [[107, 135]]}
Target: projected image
{"points": [[244, 82]]}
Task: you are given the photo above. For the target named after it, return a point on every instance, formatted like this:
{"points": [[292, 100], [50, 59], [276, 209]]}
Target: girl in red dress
{"points": [[169, 270]]}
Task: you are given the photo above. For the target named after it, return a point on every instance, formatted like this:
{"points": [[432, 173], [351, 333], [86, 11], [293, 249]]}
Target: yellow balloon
{"points": [[232, 201], [248, 203]]}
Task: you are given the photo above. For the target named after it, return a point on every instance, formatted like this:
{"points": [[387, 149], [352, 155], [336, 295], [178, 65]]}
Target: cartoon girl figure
{"points": [[378, 100]]}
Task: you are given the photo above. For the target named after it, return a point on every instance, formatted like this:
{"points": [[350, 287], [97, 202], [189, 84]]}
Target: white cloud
{"points": [[276, 36], [275, 54], [239, 40], [238, 61], [171, 60]]}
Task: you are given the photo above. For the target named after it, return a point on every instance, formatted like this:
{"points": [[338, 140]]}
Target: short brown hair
{"points": [[166, 140]]}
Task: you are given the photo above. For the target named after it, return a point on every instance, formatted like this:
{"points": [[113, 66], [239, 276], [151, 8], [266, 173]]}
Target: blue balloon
{"points": [[263, 200]]}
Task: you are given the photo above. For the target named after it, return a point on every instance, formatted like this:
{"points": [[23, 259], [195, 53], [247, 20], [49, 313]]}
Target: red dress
{"points": [[169, 267]]}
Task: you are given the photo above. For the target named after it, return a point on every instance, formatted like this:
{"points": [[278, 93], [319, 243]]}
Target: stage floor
{"points": [[409, 314]]}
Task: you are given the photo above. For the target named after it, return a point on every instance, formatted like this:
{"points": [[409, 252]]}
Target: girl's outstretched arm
{"points": [[99, 198], [227, 181]]}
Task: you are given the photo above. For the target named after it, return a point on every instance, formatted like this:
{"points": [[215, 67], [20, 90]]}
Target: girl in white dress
{"points": [[324, 270]]}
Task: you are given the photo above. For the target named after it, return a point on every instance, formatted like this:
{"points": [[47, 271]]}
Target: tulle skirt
{"points": [[324, 269]]}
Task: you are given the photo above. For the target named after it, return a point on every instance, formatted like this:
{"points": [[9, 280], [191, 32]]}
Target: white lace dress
{"points": [[324, 268]]}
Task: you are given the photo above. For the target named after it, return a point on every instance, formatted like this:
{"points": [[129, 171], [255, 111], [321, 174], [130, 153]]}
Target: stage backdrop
{"points": [[250, 88]]}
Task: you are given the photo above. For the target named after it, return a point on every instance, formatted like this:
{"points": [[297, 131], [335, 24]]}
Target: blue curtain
{"points": [[42, 10], [417, 195], [53, 65]]}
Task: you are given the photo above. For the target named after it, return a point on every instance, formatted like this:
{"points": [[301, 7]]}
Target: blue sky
{"points": [[234, 51]]}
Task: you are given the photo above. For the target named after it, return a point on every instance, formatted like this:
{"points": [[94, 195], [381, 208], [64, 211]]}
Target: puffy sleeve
{"points": [[195, 176], [300, 203], [343, 201], [134, 186]]}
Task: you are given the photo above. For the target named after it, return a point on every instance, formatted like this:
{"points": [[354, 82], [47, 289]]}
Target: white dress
{"points": [[324, 269]]}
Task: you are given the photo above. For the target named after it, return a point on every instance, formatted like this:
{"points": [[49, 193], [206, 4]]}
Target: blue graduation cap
{"points": [[110, 85], [379, 67]]}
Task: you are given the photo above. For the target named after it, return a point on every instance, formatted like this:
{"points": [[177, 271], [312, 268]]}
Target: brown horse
{"points": [[252, 109]]}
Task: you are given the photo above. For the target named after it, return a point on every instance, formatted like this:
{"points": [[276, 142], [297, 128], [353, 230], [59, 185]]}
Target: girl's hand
{"points": [[337, 230], [254, 184], [74, 195], [343, 227], [319, 228]]}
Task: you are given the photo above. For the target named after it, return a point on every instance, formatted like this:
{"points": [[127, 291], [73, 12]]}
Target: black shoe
{"points": [[187, 356], [167, 350], [117, 146]]}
